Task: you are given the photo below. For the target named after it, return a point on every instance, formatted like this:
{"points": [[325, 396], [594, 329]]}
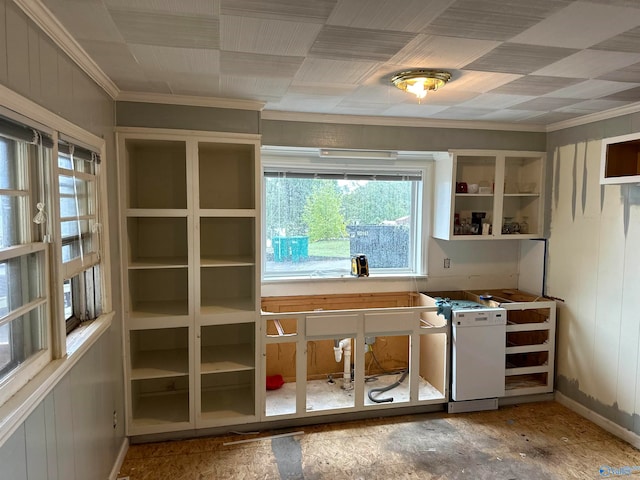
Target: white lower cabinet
{"points": [[226, 374], [331, 361]]}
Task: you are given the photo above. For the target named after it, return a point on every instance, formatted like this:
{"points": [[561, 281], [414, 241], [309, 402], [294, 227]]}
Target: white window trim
{"points": [[65, 350], [309, 158]]}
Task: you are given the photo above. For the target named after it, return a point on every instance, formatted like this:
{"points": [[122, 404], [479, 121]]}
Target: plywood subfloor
{"points": [[538, 441]]}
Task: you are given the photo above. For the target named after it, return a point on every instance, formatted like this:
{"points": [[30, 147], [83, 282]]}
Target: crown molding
{"points": [[51, 26], [595, 117], [165, 98], [397, 121]]}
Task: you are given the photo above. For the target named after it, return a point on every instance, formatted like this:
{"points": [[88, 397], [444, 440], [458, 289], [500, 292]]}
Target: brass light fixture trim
{"points": [[420, 81]]}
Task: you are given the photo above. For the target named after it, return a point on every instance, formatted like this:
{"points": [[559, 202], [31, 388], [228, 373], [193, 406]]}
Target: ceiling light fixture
{"points": [[420, 81]]}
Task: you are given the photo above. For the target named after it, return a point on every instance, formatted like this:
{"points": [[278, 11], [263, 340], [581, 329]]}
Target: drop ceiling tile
{"points": [[194, 84], [593, 106], [381, 94], [545, 104], [480, 81], [495, 101], [628, 41], [631, 95], [461, 113], [593, 89], [414, 110], [190, 31], [431, 51], [357, 109], [272, 37], [316, 11], [87, 20], [335, 72], [535, 85], [519, 58], [264, 89], [343, 43], [405, 16], [509, 115], [619, 3], [589, 64], [492, 19], [254, 65], [179, 7], [158, 60], [628, 74], [307, 103], [116, 60], [580, 25], [321, 89], [553, 117]]}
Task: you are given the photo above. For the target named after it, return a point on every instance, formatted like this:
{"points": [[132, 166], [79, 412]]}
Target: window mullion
{"points": [[58, 328]]}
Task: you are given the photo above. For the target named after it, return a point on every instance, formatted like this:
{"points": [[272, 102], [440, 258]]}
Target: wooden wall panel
{"points": [[13, 457], [592, 266], [36, 439], [17, 49]]}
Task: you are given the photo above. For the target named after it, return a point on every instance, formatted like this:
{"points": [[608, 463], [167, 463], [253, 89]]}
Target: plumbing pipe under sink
{"points": [[340, 347]]}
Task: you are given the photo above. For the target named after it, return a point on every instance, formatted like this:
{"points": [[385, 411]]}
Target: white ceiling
{"points": [[523, 61]]}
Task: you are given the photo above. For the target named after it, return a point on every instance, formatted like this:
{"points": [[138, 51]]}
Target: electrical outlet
{"points": [[447, 263], [115, 419], [369, 340]]}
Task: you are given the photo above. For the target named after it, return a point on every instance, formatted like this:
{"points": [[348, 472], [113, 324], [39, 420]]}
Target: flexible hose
{"points": [[386, 389]]}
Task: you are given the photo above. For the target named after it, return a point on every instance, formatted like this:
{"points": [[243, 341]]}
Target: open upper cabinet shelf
{"points": [[620, 161]]}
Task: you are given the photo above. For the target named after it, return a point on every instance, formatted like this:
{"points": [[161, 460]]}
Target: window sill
{"points": [[16, 410]]}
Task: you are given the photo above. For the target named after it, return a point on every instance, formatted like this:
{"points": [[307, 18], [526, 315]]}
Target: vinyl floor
{"points": [[536, 441]]}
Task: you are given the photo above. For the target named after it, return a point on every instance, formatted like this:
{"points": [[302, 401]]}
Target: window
{"points": [[50, 249], [24, 320], [79, 233], [318, 216]]}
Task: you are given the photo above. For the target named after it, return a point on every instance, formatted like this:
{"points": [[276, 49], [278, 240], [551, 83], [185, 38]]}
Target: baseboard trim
{"points": [[608, 425], [119, 459]]}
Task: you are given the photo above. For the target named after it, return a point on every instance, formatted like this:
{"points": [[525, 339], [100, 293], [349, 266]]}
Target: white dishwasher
{"points": [[478, 352]]}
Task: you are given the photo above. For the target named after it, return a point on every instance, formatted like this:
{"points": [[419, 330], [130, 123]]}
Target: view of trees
{"points": [[322, 209]]}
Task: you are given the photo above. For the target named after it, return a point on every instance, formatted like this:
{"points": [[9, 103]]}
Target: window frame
{"points": [[44, 368], [76, 269], [310, 160]]}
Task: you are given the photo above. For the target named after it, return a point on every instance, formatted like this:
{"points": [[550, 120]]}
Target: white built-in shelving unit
{"points": [[190, 233]]}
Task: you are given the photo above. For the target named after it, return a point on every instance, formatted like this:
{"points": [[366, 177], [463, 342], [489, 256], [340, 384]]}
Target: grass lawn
{"points": [[330, 248]]}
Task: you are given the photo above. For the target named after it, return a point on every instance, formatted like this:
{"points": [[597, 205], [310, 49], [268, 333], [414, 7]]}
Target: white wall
{"points": [[70, 435], [593, 266]]}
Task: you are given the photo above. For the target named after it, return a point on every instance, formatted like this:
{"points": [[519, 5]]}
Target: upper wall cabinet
{"points": [[485, 195], [620, 161]]}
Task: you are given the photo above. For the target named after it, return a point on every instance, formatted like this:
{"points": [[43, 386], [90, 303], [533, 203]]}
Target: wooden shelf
{"points": [[227, 358], [158, 262], [159, 308], [161, 408], [222, 404], [160, 364], [227, 261]]}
